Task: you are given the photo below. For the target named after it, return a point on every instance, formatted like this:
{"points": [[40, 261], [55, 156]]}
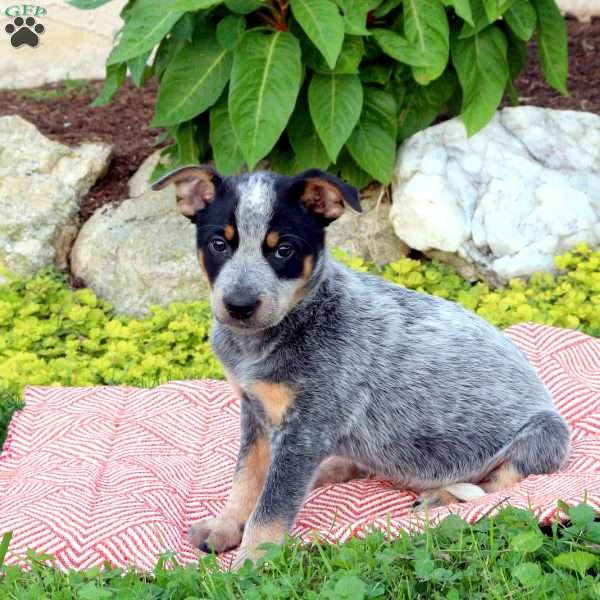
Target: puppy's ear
{"points": [[195, 187], [325, 195]]}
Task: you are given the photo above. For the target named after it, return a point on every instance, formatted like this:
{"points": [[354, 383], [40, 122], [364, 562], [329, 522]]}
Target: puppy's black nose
{"points": [[241, 306]]}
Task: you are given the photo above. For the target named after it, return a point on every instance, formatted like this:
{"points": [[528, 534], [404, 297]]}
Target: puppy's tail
{"points": [[465, 491]]}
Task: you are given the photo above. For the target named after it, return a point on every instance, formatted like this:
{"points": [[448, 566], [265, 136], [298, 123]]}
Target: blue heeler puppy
{"points": [[341, 373]]}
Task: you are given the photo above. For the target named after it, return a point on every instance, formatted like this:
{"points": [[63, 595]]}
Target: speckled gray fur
{"points": [[410, 386]]}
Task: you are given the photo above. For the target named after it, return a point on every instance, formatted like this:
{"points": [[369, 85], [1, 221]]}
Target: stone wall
{"points": [[74, 45]]}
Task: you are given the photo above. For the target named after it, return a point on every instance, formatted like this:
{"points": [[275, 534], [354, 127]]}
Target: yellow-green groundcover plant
{"points": [[52, 335]]}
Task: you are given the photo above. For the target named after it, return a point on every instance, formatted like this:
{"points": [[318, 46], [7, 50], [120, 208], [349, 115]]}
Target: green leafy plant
{"points": [[447, 561], [332, 84]]}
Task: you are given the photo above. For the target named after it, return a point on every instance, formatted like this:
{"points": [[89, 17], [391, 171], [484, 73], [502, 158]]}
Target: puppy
{"points": [[341, 373]]}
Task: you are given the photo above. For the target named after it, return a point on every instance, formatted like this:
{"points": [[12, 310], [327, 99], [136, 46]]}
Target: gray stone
{"points": [[504, 202], [140, 182], [139, 254], [41, 185], [368, 234]]}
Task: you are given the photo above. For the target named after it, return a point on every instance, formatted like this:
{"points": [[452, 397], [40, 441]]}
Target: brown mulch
{"points": [[69, 119], [124, 123], [584, 73]]}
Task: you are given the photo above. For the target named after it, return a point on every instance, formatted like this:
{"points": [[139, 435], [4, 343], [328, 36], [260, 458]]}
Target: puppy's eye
{"points": [[218, 245], [284, 251]]}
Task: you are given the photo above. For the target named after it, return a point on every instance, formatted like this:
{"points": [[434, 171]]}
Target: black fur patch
{"points": [[211, 223], [295, 226]]}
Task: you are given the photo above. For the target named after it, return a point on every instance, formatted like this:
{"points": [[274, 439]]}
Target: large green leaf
{"points": [[399, 48], [138, 68], [244, 7], [193, 81], [386, 7], [189, 145], [521, 19], [373, 142], [310, 152], [552, 44], [482, 68], [494, 9], [147, 24], [351, 172], [516, 55], [352, 53], [420, 105], [479, 21], [462, 8], [167, 50], [265, 80], [323, 24], [226, 149], [283, 159], [115, 77], [191, 5], [426, 26], [355, 15], [376, 73], [230, 31], [335, 103], [87, 4]]}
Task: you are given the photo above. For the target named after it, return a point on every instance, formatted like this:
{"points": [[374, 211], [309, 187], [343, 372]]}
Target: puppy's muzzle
{"points": [[241, 306]]}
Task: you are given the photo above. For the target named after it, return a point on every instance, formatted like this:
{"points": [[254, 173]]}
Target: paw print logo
{"points": [[24, 31]]}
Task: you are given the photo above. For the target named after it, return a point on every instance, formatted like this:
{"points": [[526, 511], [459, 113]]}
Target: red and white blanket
{"points": [[118, 474]]}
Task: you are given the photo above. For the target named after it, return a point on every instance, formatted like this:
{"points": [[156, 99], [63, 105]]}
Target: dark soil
{"points": [[62, 111], [584, 73]]}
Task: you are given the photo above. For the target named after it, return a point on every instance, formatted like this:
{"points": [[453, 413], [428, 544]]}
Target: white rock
{"points": [[41, 185], [501, 203], [140, 181], [139, 253], [583, 10], [75, 43]]}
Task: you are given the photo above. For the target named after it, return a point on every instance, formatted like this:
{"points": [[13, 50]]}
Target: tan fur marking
{"points": [[272, 239], [309, 265], [229, 232], [276, 398], [233, 382], [225, 531], [504, 477], [194, 187], [338, 470], [323, 198], [202, 266], [437, 497], [257, 534], [249, 481]]}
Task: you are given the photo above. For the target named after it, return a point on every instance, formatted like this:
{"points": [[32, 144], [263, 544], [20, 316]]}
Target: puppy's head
{"points": [[260, 237]]}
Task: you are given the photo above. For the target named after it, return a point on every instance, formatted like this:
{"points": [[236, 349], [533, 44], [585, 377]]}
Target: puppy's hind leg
{"points": [[450, 494], [337, 469], [540, 447]]}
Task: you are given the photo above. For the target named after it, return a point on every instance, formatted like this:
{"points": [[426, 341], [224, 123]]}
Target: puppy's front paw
{"points": [[216, 535], [242, 554]]}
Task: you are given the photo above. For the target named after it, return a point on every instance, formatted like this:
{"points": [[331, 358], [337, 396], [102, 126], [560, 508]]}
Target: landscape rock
{"points": [[139, 254], [501, 203], [140, 182], [368, 234], [582, 10], [75, 43], [41, 185]]}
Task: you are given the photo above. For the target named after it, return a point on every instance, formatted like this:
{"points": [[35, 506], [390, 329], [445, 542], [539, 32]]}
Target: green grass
{"points": [[60, 90], [506, 556]]}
